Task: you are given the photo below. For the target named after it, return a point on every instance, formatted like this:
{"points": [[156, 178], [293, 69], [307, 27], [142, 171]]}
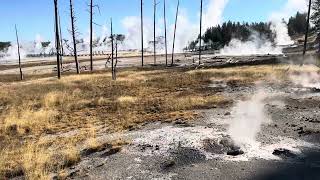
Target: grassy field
{"points": [[45, 122]]}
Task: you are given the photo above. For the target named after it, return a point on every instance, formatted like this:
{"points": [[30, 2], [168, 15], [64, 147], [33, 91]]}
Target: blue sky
{"points": [[36, 16]]}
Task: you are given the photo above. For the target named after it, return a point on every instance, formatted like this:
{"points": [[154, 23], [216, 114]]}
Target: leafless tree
{"points": [[112, 54], [18, 44], [154, 30], [165, 30], [142, 49], [60, 41], [57, 37], [175, 30], [72, 16], [307, 29], [91, 34], [200, 36]]}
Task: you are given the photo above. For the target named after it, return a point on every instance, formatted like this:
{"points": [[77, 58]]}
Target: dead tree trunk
{"points": [[175, 30], [115, 66], [18, 44], [57, 37], [74, 37], [307, 29], [60, 41], [91, 34], [165, 30], [200, 36], [112, 54], [142, 49], [154, 31]]}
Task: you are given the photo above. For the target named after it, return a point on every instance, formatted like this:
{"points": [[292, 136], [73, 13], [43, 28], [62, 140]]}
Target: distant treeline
{"points": [[219, 36], [4, 45]]}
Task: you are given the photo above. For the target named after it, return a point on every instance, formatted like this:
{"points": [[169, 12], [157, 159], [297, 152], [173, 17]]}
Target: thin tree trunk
{"points": [[112, 54], [175, 30], [307, 30], [21, 75], [200, 37], [57, 37], [154, 31], [91, 34], [116, 55], [74, 37], [165, 30], [142, 33], [60, 40], [116, 63]]}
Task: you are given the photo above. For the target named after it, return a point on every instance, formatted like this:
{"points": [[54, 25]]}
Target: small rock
{"points": [[111, 151], [284, 153], [235, 152], [168, 164], [227, 114]]}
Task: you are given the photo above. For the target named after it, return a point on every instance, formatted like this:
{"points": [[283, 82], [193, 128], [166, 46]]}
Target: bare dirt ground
{"points": [[164, 123], [191, 150]]}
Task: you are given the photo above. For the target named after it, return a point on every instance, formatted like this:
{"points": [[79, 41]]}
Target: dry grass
{"points": [[45, 120]]}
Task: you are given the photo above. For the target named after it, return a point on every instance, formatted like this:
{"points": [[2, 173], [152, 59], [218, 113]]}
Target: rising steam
{"points": [[248, 117], [255, 45]]}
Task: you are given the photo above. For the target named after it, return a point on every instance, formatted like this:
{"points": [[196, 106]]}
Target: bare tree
{"points": [[142, 49], [112, 54], [60, 41], [57, 37], [18, 44], [200, 36], [307, 29], [154, 30], [165, 30], [175, 30], [72, 16], [91, 34]]}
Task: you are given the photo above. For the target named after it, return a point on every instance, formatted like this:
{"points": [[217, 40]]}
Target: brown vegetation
{"points": [[46, 123]]}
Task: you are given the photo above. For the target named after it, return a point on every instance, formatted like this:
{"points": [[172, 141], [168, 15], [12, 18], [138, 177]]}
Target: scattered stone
{"points": [[143, 147], [225, 145], [284, 153], [227, 114], [168, 164], [235, 152], [111, 151], [182, 123], [131, 128], [89, 151], [315, 90]]}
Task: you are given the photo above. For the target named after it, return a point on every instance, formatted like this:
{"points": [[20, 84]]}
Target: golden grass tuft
{"points": [[27, 120], [127, 99], [196, 102]]}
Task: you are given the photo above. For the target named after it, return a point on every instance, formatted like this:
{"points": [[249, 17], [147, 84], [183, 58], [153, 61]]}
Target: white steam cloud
{"points": [[279, 27], [255, 45], [186, 31], [306, 79], [248, 117], [258, 45]]}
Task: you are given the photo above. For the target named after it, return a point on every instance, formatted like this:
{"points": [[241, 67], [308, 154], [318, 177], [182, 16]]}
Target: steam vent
{"points": [[160, 90]]}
